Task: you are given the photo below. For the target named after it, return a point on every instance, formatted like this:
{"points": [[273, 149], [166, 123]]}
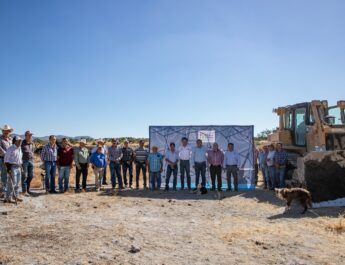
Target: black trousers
{"points": [[140, 166], [216, 172], [82, 171], [127, 166]]}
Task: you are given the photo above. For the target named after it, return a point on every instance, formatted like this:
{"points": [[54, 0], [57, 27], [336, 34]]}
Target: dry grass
{"points": [[337, 225]]}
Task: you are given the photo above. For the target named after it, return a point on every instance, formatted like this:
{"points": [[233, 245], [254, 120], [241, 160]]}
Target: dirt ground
{"points": [[167, 228]]}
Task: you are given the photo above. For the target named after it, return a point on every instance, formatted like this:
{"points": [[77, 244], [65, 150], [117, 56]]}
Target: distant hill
{"points": [[59, 137]]}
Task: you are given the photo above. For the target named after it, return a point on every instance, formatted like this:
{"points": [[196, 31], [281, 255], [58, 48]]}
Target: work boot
{"points": [[8, 200], [19, 199]]}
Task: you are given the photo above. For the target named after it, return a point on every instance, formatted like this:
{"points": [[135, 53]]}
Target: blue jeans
{"points": [[3, 171], [64, 178], [155, 178], [28, 168], [200, 168], [174, 172], [50, 170], [185, 168], [281, 176], [13, 185], [272, 176], [115, 172], [265, 174]]}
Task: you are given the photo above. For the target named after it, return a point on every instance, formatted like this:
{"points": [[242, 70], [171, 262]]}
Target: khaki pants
{"points": [[98, 171]]}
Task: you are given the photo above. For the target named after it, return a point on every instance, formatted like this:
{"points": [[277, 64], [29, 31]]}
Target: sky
{"points": [[112, 68]]}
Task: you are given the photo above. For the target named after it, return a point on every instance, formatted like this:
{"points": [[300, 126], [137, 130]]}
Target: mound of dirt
{"points": [[324, 174]]}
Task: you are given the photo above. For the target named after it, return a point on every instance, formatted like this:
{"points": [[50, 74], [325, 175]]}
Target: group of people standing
{"points": [[17, 164], [272, 162]]}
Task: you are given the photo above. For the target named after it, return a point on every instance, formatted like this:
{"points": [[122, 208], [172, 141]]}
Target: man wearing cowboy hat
{"points": [[13, 161], [155, 167], [28, 149], [5, 143], [81, 160], [105, 152]]}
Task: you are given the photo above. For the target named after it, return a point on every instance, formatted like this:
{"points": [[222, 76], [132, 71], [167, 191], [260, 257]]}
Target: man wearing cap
{"points": [[5, 143], [98, 164], [155, 166], [81, 160], [13, 161], [28, 149], [115, 156], [127, 163], [185, 153], [105, 152], [64, 163], [49, 157], [140, 157]]}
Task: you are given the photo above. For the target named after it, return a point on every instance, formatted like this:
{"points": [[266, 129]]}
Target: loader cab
{"points": [[335, 116], [296, 119]]}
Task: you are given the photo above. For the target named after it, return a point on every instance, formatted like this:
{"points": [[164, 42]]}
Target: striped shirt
{"points": [[127, 154], [114, 154], [14, 155], [4, 145], [141, 155], [49, 153]]}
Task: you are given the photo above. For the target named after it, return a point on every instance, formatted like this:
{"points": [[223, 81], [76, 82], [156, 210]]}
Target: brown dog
{"points": [[299, 194]]}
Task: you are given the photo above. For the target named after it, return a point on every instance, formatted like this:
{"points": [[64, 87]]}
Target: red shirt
{"points": [[65, 156]]}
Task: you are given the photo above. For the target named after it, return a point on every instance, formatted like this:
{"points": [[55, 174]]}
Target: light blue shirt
{"points": [[199, 154], [231, 158], [155, 160], [171, 156], [14, 155]]}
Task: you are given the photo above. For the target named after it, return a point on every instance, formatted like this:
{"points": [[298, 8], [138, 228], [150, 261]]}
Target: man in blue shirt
{"points": [[155, 166], [199, 159], [98, 164], [231, 165], [280, 159], [263, 166]]}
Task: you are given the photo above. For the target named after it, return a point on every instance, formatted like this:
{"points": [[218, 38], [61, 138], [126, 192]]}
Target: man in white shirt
{"points": [[13, 162], [185, 153], [231, 165], [199, 157], [171, 157]]}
